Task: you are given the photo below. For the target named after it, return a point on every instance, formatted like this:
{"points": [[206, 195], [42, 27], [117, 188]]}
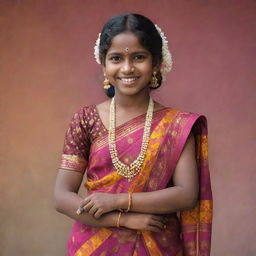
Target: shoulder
{"points": [[190, 121], [185, 114], [89, 110], [90, 115], [183, 119], [84, 111], [188, 114], [84, 116], [175, 111]]}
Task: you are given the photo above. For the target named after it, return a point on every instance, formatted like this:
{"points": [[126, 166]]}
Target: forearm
{"points": [[182, 196], [68, 202], [163, 201]]}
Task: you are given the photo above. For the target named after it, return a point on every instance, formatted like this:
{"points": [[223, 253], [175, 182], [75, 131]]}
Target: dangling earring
{"points": [[106, 83], [154, 81]]}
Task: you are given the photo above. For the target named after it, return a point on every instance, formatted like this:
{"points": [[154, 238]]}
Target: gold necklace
{"points": [[131, 170]]}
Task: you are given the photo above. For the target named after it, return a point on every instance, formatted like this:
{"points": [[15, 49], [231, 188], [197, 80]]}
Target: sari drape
{"points": [[186, 235]]}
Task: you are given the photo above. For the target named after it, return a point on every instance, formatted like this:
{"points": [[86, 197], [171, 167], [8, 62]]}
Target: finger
{"points": [[88, 206], [98, 214], [161, 218], [84, 202], [158, 224], [93, 210], [79, 211]]}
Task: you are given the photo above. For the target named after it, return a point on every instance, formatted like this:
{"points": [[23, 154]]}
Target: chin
{"points": [[130, 91]]}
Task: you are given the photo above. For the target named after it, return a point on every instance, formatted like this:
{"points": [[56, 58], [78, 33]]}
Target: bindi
{"points": [[126, 50]]}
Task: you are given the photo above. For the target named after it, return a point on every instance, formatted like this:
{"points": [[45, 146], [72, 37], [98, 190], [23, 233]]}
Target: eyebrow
{"points": [[132, 53]]}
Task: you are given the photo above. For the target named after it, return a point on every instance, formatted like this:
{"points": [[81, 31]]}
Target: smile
{"points": [[127, 80]]}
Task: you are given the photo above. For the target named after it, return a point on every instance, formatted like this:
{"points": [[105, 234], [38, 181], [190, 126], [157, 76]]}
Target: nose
{"points": [[127, 67]]}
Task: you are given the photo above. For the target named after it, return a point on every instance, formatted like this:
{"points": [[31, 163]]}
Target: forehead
{"points": [[125, 40]]}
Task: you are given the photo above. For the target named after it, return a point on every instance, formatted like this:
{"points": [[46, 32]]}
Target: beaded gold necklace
{"points": [[131, 170]]}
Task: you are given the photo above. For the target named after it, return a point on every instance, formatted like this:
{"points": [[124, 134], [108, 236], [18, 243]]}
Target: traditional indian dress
{"points": [[188, 233]]}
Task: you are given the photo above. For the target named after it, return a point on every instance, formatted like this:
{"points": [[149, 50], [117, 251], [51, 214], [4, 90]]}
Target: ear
{"points": [[157, 66], [103, 69]]}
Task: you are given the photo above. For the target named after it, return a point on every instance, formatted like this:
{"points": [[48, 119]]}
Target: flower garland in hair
{"points": [[97, 50], [167, 62]]}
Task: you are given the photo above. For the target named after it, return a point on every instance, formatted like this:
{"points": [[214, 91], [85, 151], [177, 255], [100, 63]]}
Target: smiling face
{"points": [[128, 65]]}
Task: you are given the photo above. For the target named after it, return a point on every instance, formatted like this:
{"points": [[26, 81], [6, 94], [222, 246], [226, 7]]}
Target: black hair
{"points": [[139, 25]]}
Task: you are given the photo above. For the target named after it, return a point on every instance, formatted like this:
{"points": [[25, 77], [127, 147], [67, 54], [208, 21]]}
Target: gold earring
{"points": [[154, 81], [106, 83]]}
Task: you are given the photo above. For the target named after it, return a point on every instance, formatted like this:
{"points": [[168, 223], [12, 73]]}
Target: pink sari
{"points": [[188, 235]]}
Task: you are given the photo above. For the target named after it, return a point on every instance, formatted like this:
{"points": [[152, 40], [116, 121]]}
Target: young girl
{"points": [[146, 164]]}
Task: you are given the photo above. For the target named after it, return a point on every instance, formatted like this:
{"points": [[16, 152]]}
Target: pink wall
{"points": [[47, 71]]}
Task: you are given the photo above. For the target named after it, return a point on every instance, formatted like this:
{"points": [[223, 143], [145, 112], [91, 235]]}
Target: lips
{"points": [[128, 80]]}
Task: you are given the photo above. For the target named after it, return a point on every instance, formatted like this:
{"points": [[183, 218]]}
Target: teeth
{"points": [[128, 80]]}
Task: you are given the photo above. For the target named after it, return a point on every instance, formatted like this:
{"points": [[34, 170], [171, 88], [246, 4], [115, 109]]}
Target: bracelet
{"points": [[118, 220], [129, 203]]}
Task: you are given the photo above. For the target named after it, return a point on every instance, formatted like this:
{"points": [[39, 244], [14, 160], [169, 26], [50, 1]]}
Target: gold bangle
{"points": [[129, 203], [118, 220]]}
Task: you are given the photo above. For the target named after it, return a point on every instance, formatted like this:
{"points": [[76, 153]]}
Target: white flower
{"points": [[167, 62], [97, 49]]}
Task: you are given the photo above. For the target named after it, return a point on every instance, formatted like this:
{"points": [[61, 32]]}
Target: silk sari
{"points": [[188, 233]]}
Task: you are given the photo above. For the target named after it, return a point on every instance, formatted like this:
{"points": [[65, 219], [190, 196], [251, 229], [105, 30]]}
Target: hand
{"points": [[99, 203], [141, 221]]}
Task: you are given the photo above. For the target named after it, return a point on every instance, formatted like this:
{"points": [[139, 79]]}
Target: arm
{"points": [[67, 202], [182, 196]]}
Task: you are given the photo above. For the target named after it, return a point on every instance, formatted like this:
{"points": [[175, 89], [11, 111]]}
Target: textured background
{"points": [[47, 71]]}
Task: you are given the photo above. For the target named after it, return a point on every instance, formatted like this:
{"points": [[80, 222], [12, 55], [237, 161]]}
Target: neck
{"points": [[133, 102]]}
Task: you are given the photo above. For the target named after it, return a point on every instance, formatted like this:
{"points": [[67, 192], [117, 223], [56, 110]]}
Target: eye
{"points": [[115, 58], [139, 57]]}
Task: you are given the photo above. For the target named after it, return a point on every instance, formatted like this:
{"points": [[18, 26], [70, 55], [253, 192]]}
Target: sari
{"points": [[188, 233]]}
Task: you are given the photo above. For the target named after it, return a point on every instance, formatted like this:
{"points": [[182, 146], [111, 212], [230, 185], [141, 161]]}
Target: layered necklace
{"points": [[131, 170]]}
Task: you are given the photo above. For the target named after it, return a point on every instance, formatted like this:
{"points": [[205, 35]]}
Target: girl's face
{"points": [[128, 65]]}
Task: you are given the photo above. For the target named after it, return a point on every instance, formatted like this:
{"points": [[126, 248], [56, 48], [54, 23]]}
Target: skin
{"points": [[149, 209]]}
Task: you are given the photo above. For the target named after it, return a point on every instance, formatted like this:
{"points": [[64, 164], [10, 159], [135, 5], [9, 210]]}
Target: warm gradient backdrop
{"points": [[47, 71]]}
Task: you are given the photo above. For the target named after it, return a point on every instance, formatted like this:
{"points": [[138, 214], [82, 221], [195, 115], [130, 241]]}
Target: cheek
{"points": [[148, 70], [146, 67], [111, 69]]}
